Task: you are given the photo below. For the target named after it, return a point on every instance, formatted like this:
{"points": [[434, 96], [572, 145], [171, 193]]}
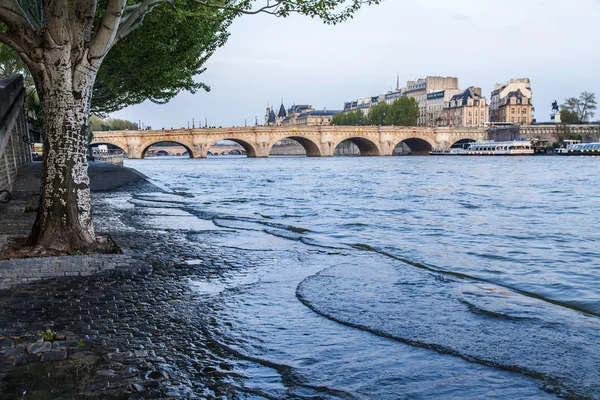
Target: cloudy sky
{"points": [[482, 42]]}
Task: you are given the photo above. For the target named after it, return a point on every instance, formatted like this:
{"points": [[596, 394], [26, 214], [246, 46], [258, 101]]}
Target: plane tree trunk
{"points": [[63, 50], [64, 220]]}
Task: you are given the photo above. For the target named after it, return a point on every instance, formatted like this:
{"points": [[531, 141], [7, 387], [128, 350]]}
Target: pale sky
{"points": [[482, 42]]}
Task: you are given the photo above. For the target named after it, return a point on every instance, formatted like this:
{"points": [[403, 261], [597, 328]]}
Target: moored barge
{"points": [[579, 149], [490, 148]]}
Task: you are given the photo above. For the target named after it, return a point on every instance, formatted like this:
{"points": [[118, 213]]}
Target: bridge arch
{"points": [[463, 142], [120, 146], [365, 145], [311, 147], [147, 145], [417, 146], [248, 147], [236, 153]]}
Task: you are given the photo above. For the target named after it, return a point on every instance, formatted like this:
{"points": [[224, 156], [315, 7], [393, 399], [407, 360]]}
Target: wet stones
{"points": [[55, 355], [138, 320], [40, 347]]}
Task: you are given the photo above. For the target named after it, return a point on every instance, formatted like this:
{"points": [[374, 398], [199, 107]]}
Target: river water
{"points": [[397, 277]]}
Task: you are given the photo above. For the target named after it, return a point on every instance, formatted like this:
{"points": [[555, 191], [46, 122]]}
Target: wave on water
{"points": [[476, 321]]}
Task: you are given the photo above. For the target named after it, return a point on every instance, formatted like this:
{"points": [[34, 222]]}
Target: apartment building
{"points": [[465, 109], [512, 102]]}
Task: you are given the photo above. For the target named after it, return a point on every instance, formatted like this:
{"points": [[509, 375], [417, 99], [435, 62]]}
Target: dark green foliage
{"points": [[356, 117], [402, 112], [11, 63], [161, 58], [568, 117], [378, 114], [111, 124]]}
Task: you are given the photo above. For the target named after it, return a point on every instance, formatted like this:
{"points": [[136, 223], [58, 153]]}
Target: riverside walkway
{"points": [[124, 324]]}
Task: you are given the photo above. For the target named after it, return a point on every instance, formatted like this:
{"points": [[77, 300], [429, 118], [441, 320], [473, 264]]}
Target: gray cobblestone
{"points": [[135, 315]]}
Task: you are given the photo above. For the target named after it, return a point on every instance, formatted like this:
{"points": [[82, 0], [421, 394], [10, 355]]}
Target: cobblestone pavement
{"points": [[132, 332]]}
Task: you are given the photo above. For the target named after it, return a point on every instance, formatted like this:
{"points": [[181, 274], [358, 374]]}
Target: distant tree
{"points": [[568, 117], [111, 124], [582, 108], [356, 117], [338, 119], [403, 112], [377, 114]]}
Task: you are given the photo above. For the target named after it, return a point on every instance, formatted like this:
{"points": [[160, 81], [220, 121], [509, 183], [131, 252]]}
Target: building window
{"points": [[512, 119], [512, 110]]}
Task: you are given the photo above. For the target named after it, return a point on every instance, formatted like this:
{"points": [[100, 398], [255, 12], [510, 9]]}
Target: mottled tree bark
{"points": [[64, 221]]}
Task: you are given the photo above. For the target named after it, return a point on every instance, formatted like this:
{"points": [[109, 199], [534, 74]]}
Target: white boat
{"points": [[576, 148], [490, 148]]}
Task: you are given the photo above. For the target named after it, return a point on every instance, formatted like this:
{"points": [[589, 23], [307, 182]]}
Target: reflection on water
{"points": [[412, 277]]}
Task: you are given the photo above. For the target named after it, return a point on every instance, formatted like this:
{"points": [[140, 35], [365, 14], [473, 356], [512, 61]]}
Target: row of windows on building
{"points": [[516, 111]]}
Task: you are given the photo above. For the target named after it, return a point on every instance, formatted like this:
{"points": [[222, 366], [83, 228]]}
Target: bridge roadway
{"points": [[318, 141]]}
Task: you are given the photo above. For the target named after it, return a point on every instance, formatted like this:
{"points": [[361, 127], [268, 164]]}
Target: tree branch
{"points": [[135, 17], [4, 38], [14, 15], [267, 9], [20, 35], [105, 35], [135, 14]]}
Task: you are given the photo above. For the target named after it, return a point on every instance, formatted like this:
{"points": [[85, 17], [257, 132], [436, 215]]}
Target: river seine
{"points": [[397, 277]]}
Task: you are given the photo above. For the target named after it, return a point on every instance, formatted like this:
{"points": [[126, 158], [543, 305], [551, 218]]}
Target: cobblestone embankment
{"points": [[132, 330]]}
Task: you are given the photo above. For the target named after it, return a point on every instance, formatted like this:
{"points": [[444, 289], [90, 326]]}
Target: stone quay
{"points": [[108, 326]]}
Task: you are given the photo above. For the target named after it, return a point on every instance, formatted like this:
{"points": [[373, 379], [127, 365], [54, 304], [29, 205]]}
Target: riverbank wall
{"points": [[14, 149], [550, 133]]}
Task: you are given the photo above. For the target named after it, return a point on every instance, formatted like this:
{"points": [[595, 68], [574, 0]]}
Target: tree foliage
{"points": [[11, 63], [578, 110], [402, 112], [378, 114], [162, 58], [568, 117], [110, 124], [356, 117]]}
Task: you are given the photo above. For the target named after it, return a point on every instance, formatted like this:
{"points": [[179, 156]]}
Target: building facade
{"points": [[298, 115], [272, 119], [465, 109], [512, 102], [420, 88], [436, 102]]}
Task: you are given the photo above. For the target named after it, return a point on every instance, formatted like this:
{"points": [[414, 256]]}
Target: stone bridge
{"points": [[318, 141]]}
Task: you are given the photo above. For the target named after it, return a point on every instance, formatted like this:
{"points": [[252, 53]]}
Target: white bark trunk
{"points": [[64, 220]]}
